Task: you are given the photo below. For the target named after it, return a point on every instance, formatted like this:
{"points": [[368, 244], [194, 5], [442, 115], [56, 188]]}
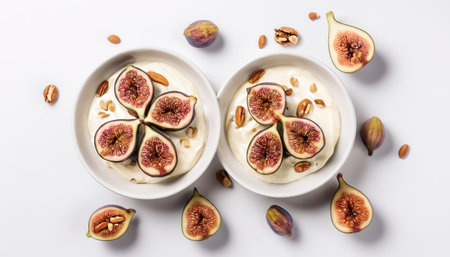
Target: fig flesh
{"points": [[134, 89], [302, 137], [265, 151], [265, 101], [109, 222], [116, 140], [172, 111], [200, 218], [351, 211], [157, 156], [350, 48]]}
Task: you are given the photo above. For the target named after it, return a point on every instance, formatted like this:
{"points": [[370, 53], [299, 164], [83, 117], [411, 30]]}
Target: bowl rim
{"points": [[213, 137], [353, 125]]}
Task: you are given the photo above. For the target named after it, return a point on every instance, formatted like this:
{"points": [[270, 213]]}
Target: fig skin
{"points": [[350, 197], [372, 134], [357, 55], [209, 212], [273, 86], [279, 220], [201, 33], [127, 213]]}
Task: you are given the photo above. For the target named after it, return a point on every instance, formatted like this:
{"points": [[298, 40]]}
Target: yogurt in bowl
{"points": [[336, 118]]}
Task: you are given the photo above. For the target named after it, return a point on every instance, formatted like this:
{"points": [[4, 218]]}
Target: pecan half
{"points": [[302, 166], [304, 108], [239, 116], [256, 76], [102, 88]]}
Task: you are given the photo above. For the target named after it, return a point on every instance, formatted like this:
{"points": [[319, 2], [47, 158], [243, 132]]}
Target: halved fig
{"points": [[265, 101], [157, 156], [350, 48], [134, 89], [200, 218], [172, 110], [116, 140], [109, 222], [265, 151], [302, 137], [351, 211]]}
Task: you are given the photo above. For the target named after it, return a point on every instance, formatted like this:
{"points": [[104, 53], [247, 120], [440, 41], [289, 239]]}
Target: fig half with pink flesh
{"points": [[350, 48], [134, 90], [109, 222], [265, 151], [302, 137], [157, 156], [351, 211], [265, 101], [116, 140], [172, 110]]}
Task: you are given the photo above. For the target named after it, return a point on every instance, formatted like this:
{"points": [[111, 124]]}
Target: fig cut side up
{"points": [[109, 222], [265, 151], [350, 48], [302, 137], [116, 140], [265, 101], [157, 156], [350, 209], [172, 110], [200, 218], [134, 90]]}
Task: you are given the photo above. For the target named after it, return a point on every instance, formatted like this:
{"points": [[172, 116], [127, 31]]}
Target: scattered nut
{"points": [[256, 76], [103, 105], [313, 88], [103, 115], [286, 36], [302, 166], [313, 16], [132, 163], [293, 81], [191, 132], [319, 102], [254, 129], [102, 88], [110, 226], [50, 94], [114, 39], [403, 151], [261, 41], [239, 116], [304, 108], [100, 226], [116, 219], [289, 91], [112, 107], [223, 178], [185, 142], [158, 78], [133, 180]]}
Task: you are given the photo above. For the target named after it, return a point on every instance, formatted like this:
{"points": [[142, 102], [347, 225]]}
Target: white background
{"points": [[46, 195]]}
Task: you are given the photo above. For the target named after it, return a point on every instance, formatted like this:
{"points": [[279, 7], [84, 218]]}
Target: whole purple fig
{"points": [[201, 33], [372, 134], [279, 220]]}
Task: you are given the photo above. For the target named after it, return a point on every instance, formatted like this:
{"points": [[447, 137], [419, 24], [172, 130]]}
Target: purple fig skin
{"points": [[279, 220], [372, 134], [201, 33]]}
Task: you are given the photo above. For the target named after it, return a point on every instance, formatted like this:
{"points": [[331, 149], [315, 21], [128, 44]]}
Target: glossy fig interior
{"points": [[115, 140], [265, 151], [265, 101], [303, 138], [109, 222], [172, 111], [157, 156], [134, 89], [200, 218]]}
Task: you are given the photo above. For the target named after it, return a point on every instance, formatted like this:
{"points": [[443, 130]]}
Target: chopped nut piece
{"points": [[256, 76], [239, 116], [286, 36], [403, 151], [289, 91], [313, 16], [185, 142], [304, 108], [103, 105], [112, 107], [50, 94], [320, 102], [302, 166], [293, 81], [261, 41], [191, 132], [223, 178], [313, 88], [110, 226], [133, 180], [114, 39]]}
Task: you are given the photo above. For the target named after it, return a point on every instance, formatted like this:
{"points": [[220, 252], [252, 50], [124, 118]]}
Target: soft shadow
{"points": [[374, 232], [296, 236], [218, 240], [315, 199], [373, 71], [216, 45], [128, 239]]}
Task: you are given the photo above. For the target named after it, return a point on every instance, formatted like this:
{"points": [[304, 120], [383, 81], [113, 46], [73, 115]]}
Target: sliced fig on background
{"points": [[134, 89], [109, 222], [200, 218], [350, 48], [116, 140], [302, 137], [265, 101], [157, 156], [172, 110], [265, 151], [351, 211]]}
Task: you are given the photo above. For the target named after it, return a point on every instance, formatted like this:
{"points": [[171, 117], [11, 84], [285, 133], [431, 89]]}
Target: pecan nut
{"points": [[239, 116], [256, 76], [302, 166], [304, 108], [102, 88], [286, 36], [50, 94]]}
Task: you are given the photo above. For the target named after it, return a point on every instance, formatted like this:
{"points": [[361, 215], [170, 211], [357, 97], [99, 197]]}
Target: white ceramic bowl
{"points": [[85, 147], [343, 147]]}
